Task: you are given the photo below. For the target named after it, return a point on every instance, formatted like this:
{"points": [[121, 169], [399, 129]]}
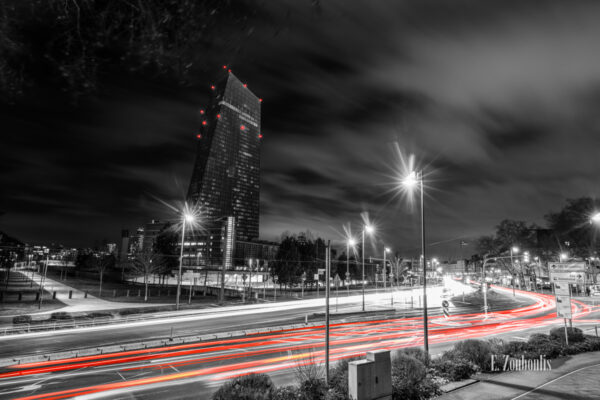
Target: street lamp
{"points": [[563, 256], [410, 181], [189, 218], [595, 218], [351, 242], [385, 251], [515, 250], [368, 229]]}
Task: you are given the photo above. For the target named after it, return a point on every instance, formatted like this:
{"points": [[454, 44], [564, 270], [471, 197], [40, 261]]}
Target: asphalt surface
{"points": [[195, 370]]}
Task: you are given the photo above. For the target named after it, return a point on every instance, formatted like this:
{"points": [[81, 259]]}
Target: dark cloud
{"points": [[497, 100]]}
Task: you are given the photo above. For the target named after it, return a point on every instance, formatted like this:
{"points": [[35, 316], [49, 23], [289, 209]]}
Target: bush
{"points": [[61, 315], [129, 311], [575, 335], [540, 344], [453, 368], [21, 319], [100, 314], [249, 387], [312, 389], [338, 376], [410, 380], [476, 351], [516, 348], [418, 353], [285, 393]]}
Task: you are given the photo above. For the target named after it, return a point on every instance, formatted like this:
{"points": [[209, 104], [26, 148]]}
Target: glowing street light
{"points": [[410, 181], [563, 256], [385, 251], [368, 229], [350, 242], [595, 218], [515, 250], [189, 218]]}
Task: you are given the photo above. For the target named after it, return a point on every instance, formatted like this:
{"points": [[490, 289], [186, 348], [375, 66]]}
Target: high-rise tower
{"points": [[226, 177]]}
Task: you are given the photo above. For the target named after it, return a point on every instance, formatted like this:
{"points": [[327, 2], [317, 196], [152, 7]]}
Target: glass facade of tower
{"points": [[226, 177]]}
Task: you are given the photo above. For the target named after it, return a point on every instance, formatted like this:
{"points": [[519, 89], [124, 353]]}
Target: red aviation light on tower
{"points": [[212, 87], [260, 100], [202, 112], [242, 127], [218, 116], [203, 123], [199, 136], [229, 70], [224, 66], [245, 85], [260, 135]]}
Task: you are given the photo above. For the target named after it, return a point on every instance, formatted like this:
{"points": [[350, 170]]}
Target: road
{"points": [[194, 370]]}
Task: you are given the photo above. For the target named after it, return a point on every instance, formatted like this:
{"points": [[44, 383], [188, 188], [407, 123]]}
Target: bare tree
{"points": [[146, 263], [100, 264]]}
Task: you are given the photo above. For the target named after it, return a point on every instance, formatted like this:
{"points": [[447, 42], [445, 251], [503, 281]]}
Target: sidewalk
{"points": [[78, 302], [576, 378]]}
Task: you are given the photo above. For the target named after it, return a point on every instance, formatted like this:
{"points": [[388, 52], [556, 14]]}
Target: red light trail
{"points": [[266, 352]]}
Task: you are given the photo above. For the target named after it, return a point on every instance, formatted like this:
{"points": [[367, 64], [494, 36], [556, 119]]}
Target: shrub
{"points": [[285, 393], [129, 311], [410, 380], [21, 319], [100, 314], [418, 353], [516, 348], [575, 334], [540, 344], [61, 315], [453, 368], [249, 387], [476, 351], [312, 389]]}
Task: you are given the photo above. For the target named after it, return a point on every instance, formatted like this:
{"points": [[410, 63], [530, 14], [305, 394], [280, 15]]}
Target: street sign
{"points": [[316, 277], [561, 289], [571, 277], [563, 307], [321, 271], [567, 267]]}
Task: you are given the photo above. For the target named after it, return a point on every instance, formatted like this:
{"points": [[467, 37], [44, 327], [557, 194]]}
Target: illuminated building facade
{"points": [[226, 177]]}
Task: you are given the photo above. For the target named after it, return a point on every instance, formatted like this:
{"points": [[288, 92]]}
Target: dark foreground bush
{"points": [[476, 351], [99, 314], [542, 345], [312, 388], [21, 319], [418, 353], [453, 368], [410, 380], [575, 334], [249, 387], [61, 315]]}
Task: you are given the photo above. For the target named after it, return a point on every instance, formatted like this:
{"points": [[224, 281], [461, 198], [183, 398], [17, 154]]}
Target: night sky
{"points": [[498, 101]]}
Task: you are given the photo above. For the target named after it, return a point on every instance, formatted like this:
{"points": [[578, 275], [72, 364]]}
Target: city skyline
{"points": [[505, 129]]}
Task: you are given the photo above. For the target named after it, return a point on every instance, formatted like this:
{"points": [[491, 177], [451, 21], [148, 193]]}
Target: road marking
{"points": [[176, 370], [552, 381], [122, 377]]}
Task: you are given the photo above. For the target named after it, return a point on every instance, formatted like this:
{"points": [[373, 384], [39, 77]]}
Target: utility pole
{"points": [[327, 275]]}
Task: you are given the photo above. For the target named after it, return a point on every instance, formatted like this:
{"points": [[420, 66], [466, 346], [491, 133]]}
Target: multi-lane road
{"points": [[194, 370]]}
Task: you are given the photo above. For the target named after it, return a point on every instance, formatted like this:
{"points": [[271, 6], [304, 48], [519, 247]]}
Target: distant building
{"points": [[151, 231], [124, 250], [111, 248], [226, 176], [137, 241]]}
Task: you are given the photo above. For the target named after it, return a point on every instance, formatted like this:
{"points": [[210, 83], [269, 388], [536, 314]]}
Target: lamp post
{"points": [[190, 219], [410, 181], [350, 242], [513, 249], [369, 229], [385, 251]]}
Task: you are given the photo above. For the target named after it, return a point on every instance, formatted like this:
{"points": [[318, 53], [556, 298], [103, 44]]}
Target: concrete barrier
{"points": [[132, 346], [31, 359], [5, 362], [88, 352], [63, 355], [110, 349], [153, 343]]}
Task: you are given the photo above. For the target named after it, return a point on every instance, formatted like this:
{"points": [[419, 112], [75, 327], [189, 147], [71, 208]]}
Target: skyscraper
{"points": [[226, 177]]}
